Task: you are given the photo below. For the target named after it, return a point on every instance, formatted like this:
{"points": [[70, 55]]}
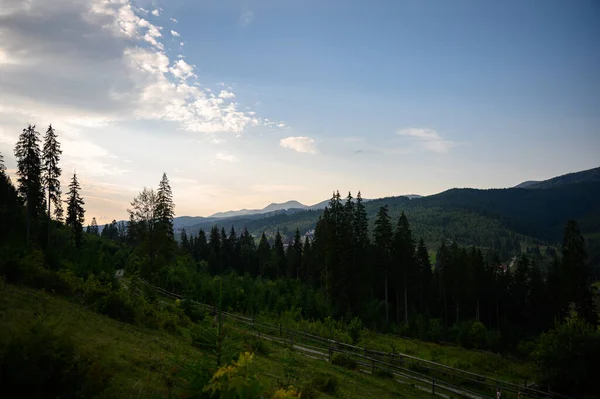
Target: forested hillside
{"points": [[367, 265], [498, 219]]}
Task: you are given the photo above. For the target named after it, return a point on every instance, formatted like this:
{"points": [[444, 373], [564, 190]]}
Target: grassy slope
{"points": [[141, 359], [480, 362]]}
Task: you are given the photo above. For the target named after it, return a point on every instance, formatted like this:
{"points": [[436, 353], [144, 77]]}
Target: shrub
{"points": [[355, 328], [235, 381], [42, 363], [118, 306], [257, 345], [343, 360], [325, 382], [383, 373]]}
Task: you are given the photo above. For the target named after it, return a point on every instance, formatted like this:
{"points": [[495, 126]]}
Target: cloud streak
{"points": [[428, 139], [299, 144]]}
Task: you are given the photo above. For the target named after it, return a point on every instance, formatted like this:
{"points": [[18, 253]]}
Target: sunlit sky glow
{"points": [[244, 103]]}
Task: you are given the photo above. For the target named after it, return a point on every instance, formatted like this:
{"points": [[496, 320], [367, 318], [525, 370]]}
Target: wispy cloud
{"points": [[246, 18], [174, 33], [156, 13], [173, 20], [225, 157], [428, 139], [300, 144]]}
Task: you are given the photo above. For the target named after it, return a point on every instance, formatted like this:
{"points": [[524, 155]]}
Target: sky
{"points": [[243, 103]]}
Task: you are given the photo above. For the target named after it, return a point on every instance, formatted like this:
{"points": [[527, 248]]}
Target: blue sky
{"points": [[244, 103]]}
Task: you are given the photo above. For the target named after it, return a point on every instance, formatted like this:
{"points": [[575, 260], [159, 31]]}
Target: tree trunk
{"points": [[477, 313], [397, 308], [497, 314], [405, 302], [387, 313], [49, 217]]}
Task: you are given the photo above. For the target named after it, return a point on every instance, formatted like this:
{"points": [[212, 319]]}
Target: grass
{"points": [[486, 363], [140, 360]]}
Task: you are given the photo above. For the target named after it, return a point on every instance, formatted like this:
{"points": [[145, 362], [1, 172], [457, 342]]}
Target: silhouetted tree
{"points": [[75, 211], [29, 172], [51, 173]]}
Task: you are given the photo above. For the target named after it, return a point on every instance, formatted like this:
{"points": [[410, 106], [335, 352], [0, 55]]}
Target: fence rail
{"points": [[484, 383]]}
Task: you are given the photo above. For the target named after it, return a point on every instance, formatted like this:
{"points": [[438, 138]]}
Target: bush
{"points": [[383, 373], [41, 364], [343, 360], [355, 328], [565, 357], [257, 345], [118, 306], [325, 382]]}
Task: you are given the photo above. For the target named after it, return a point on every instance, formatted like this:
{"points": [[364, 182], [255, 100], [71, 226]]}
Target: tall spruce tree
{"points": [[264, 256], [405, 266], [51, 173], [29, 172], [383, 240], [165, 209], [2, 166], [94, 227], [576, 273], [75, 211], [425, 275]]}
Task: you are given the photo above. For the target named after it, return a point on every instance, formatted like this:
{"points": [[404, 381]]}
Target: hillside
{"points": [[469, 216], [590, 175]]}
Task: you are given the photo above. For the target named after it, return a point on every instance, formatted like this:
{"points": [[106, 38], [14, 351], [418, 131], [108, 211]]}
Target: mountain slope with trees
{"points": [[367, 264]]}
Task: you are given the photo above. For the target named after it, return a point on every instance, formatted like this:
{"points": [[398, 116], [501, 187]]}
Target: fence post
{"points": [[372, 366], [330, 351], [433, 385], [292, 339], [252, 321], [280, 331]]}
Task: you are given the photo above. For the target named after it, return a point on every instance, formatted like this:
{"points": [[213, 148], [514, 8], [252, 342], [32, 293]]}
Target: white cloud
{"points": [[182, 70], [429, 139], [216, 140], [246, 18], [174, 33], [108, 64], [156, 13], [226, 94], [225, 157], [300, 144], [173, 20]]}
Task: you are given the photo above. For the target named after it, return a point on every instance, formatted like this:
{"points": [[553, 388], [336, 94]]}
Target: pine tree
{"points": [[278, 257], [406, 268], [75, 211], [425, 274], [264, 256], [51, 173], [297, 267], [2, 167], [165, 209], [383, 238], [29, 172], [93, 228], [576, 273]]}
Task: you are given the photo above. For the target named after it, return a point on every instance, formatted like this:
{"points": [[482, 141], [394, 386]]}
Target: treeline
{"points": [[389, 282]]}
